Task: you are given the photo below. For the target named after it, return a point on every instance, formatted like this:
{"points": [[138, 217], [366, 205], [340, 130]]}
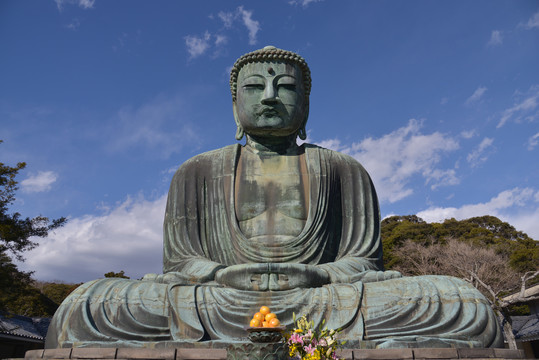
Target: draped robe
{"points": [[341, 236]]}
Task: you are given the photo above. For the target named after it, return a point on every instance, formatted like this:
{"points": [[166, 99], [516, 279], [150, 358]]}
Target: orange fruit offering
{"points": [[259, 316], [264, 318], [270, 316], [264, 310]]}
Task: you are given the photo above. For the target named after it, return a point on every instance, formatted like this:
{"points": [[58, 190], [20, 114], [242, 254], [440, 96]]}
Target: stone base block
{"points": [[273, 352], [256, 351]]}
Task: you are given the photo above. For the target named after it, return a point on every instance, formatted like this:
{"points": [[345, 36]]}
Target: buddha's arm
{"points": [[359, 254], [183, 260], [185, 246], [352, 269]]}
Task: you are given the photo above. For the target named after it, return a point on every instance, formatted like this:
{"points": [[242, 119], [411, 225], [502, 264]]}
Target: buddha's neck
{"points": [[273, 145]]}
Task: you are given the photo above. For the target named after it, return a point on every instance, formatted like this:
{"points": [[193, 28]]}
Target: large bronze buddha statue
{"points": [[272, 223]]}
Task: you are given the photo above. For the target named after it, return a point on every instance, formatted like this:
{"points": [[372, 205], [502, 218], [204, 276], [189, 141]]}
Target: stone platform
{"points": [[221, 354]]}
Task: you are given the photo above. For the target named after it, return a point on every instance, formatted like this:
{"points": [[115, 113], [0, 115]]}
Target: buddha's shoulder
{"points": [[335, 158], [208, 159]]}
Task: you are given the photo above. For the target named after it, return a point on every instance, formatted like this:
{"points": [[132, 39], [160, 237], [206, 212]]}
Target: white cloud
{"points": [[128, 237], [533, 22], [496, 38], [333, 144], [533, 141], [479, 154], [158, 125], [85, 4], [468, 134], [443, 178], [252, 26], [197, 45], [444, 101], [303, 3], [520, 109], [516, 206], [74, 24], [476, 96], [393, 159], [227, 18], [40, 182], [220, 40]]}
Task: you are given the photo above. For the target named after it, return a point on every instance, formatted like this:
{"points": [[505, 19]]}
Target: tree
{"points": [[487, 231], [112, 274], [490, 254], [487, 270], [56, 291], [16, 233], [17, 295]]}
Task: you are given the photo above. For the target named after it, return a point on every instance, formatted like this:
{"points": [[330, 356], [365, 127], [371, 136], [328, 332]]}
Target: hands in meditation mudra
{"points": [[272, 223]]}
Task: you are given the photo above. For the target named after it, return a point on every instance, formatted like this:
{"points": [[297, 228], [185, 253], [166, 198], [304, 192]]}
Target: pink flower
{"points": [[296, 339], [310, 349]]}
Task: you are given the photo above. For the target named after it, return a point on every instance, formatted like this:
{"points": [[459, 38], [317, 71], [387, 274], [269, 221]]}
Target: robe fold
{"points": [[341, 236]]}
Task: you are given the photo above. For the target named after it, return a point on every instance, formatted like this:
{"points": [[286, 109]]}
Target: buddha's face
{"points": [[270, 99]]}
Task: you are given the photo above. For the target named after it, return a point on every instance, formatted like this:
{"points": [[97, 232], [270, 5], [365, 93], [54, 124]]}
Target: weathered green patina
{"points": [[296, 228]]}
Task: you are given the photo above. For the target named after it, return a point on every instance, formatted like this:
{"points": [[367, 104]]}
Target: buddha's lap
{"points": [[410, 306]]}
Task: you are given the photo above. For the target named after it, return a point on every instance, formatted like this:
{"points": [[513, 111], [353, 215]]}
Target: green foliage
{"points": [[519, 310], [484, 231], [57, 292], [15, 231], [495, 251], [112, 274], [17, 295], [397, 229]]}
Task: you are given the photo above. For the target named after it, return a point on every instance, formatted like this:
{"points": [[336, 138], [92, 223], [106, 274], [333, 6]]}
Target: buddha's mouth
{"points": [[268, 111]]}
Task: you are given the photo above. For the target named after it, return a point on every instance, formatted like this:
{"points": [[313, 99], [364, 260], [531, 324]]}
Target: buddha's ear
{"points": [[302, 132], [239, 131]]}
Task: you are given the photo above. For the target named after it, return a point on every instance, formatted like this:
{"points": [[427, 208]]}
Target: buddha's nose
{"points": [[270, 96]]}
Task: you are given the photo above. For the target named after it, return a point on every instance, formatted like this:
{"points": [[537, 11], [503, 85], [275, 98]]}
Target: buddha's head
{"points": [[270, 92]]}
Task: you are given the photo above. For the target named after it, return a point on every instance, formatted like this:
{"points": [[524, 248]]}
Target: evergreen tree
{"points": [[485, 251], [16, 292]]}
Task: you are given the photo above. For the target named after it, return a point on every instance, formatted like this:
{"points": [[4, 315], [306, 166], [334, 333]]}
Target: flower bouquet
{"points": [[306, 343]]}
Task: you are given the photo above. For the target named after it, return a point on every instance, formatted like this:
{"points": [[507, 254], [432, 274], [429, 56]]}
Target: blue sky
{"points": [[105, 99]]}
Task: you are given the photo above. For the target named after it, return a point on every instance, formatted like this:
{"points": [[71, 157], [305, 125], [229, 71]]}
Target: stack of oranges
{"points": [[264, 318]]}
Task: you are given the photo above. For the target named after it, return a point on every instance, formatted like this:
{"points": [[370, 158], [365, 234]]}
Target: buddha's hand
{"points": [[375, 276], [242, 276], [274, 276], [285, 276]]}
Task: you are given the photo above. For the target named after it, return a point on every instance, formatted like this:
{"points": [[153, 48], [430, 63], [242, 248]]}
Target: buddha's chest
{"points": [[271, 195]]}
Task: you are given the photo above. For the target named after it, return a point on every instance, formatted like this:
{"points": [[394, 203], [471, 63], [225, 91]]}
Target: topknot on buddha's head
{"points": [[270, 53]]}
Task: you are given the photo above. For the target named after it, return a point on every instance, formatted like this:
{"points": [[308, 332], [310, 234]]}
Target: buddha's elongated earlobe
{"points": [[239, 131], [302, 133]]}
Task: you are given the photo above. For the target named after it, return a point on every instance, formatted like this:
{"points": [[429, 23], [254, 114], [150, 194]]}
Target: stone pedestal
{"points": [[273, 351], [266, 344], [256, 351]]}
